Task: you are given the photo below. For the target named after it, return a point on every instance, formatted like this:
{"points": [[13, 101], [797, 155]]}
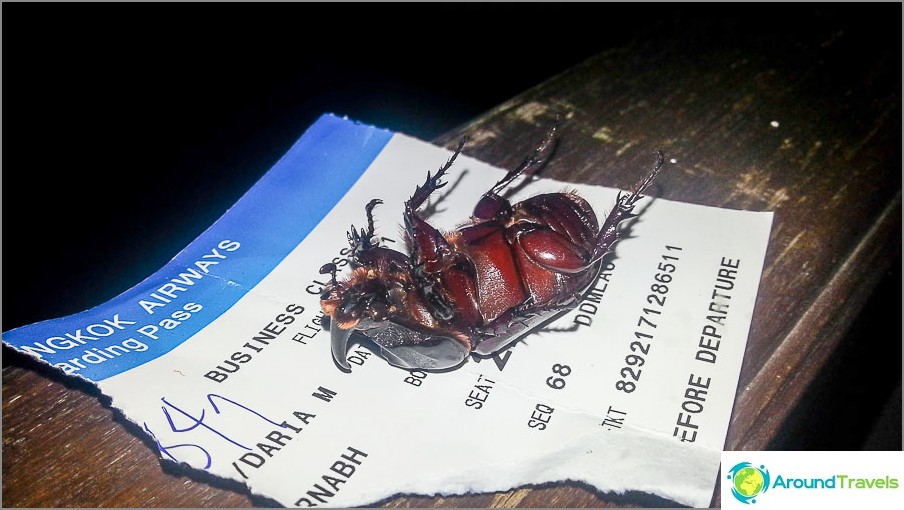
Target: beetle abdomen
{"points": [[531, 245], [463, 291], [565, 213], [499, 285]]}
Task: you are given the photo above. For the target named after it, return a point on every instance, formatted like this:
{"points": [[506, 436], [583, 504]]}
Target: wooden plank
{"points": [[806, 124]]}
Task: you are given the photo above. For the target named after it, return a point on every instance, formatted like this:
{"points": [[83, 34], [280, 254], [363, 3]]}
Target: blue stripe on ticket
{"points": [[219, 267]]}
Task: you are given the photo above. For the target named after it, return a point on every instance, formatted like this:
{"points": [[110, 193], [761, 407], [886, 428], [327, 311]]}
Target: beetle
{"points": [[509, 270]]}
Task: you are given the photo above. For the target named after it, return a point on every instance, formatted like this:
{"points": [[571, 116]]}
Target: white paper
{"points": [[627, 400]]}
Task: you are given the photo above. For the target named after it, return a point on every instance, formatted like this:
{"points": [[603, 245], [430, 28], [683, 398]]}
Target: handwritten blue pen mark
{"points": [[166, 449], [199, 421]]}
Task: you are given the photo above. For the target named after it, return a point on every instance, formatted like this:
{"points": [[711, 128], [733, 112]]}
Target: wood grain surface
{"points": [[807, 125]]}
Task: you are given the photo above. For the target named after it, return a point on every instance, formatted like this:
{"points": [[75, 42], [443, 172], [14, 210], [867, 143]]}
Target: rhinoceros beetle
{"points": [[478, 289]]}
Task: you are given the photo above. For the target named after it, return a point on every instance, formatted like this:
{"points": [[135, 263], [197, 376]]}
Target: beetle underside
{"points": [[509, 271]]}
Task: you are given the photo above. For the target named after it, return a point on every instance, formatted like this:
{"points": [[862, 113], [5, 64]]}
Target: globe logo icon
{"points": [[748, 482]]}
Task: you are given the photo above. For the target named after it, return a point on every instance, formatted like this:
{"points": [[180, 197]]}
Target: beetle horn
{"points": [[339, 343]]}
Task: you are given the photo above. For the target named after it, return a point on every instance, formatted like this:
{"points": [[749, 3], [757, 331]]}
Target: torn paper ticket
{"points": [[221, 358]]}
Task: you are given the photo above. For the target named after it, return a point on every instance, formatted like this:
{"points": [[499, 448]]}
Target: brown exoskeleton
{"points": [[509, 270]]}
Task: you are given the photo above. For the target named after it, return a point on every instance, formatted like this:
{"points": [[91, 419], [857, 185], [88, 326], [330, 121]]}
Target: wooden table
{"points": [[806, 125]]}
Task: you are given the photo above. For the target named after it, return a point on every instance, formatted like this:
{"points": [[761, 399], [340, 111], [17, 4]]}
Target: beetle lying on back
{"points": [[510, 270]]}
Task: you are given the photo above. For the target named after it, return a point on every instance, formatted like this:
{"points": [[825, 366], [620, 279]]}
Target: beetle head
{"points": [[364, 295], [381, 305]]}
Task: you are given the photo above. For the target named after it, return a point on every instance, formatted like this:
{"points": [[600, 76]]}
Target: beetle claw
{"points": [[339, 344]]}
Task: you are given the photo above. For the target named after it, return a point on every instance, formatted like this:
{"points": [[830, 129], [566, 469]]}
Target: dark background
{"points": [[129, 129]]}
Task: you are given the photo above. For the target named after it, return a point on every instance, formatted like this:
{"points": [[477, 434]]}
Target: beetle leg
{"points": [[442, 277], [492, 204], [369, 211], [430, 252], [363, 241], [535, 160], [331, 268], [608, 233], [433, 182], [429, 288], [433, 258]]}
